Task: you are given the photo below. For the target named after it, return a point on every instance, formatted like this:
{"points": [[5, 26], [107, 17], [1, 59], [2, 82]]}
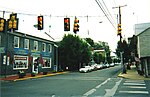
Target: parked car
{"points": [[99, 66], [107, 65], [104, 66], [94, 67], [112, 64], [85, 69]]}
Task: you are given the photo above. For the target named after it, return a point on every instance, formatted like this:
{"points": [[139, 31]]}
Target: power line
{"points": [[29, 14], [103, 10], [108, 12]]}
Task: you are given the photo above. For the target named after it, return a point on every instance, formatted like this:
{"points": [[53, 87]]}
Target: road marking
{"points": [[135, 92], [111, 92], [138, 81], [138, 84], [94, 89], [136, 87], [102, 83]]}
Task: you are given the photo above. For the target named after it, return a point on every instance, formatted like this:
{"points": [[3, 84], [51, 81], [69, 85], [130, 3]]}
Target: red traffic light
{"points": [[40, 22], [66, 24]]}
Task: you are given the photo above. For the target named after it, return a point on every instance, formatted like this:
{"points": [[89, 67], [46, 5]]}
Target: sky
{"points": [[92, 21]]}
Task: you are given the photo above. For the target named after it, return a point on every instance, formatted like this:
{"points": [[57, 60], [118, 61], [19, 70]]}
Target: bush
{"points": [[44, 73], [33, 74], [21, 74]]}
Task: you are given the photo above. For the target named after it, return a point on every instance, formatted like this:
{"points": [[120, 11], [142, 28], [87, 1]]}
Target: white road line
{"points": [[111, 92], [135, 92], [94, 89], [102, 83], [138, 84], [137, 81], [136, 87]]}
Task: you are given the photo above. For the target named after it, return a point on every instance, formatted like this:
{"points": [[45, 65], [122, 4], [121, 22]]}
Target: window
{"points": [[46, 63], [50, 48], [26, 43], [43, 47], [20, 62], [16, 42], [35, 45], [0, 40]]}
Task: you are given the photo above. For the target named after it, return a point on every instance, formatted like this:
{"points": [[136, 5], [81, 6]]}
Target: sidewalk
{"points": [[28, 76], [133, 74]]}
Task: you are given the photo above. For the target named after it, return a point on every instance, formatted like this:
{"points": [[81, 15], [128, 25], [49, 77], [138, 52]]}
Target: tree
{"points": [[90, 41], [73, 51], [123, 47]]}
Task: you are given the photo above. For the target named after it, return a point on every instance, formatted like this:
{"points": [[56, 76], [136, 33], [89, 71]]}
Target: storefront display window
{"points": [[46, 63], [16, 42], [20, 62], [26, 43]]}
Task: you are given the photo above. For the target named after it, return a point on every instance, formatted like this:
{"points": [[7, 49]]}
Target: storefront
{"points": [[42, 61]]}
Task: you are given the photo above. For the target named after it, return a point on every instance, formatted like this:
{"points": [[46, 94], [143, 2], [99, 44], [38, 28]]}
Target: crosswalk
{"points": [[133, 87]]}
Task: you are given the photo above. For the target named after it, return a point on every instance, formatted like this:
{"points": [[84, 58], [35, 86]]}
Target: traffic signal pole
{"points": [[120, 34]]}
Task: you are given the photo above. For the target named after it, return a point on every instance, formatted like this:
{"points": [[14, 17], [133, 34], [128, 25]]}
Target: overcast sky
{"points": [[54, 11]]}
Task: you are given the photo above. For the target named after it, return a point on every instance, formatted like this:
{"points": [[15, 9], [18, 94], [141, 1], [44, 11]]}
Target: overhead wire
{"points": [[105, 13], [109, 12]]}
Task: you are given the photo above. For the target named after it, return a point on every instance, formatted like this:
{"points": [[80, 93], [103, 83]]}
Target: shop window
{"points": [[43, 47], [46, 63], [35, 45], [50, 48], [16, 42], [20, 62], [26, 43]]}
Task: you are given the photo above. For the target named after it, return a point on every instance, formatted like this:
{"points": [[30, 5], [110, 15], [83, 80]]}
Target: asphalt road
{"points": [[74, 84]]}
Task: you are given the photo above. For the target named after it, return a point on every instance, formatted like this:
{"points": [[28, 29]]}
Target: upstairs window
{"points": [[43, 47], [35, 45], [0, 40], [16, 42], [50, 48], [26, 43]]}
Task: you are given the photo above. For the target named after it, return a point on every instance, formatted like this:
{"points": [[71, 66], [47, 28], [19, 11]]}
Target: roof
{"points": [[143, 31], [141, 27]]}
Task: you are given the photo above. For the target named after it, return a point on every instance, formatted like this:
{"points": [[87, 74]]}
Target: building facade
{"points": [[19, 51], [143, 48]]}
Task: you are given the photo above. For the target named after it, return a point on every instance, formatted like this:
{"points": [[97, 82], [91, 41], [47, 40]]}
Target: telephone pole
{"points": [[120, 34]]}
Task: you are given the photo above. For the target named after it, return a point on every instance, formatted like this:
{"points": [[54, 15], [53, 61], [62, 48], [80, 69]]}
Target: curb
{"points": [[38, 76], [132, 77], [120, 75]]}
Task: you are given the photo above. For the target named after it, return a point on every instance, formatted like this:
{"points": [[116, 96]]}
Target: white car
{"points": [[112, 64], [85, 69], [99, 66]]}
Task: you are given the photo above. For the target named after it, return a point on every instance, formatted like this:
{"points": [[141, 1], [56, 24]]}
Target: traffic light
{"points": [[66, 24], [119, 29], [40, 23], [76, 25], [13, 22], [2, 24]]}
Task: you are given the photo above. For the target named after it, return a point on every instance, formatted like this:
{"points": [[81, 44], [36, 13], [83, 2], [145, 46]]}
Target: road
{"points": [[101, 83]]}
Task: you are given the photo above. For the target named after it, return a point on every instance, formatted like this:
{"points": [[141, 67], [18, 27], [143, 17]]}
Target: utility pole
{"points": [[120, 34]]}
